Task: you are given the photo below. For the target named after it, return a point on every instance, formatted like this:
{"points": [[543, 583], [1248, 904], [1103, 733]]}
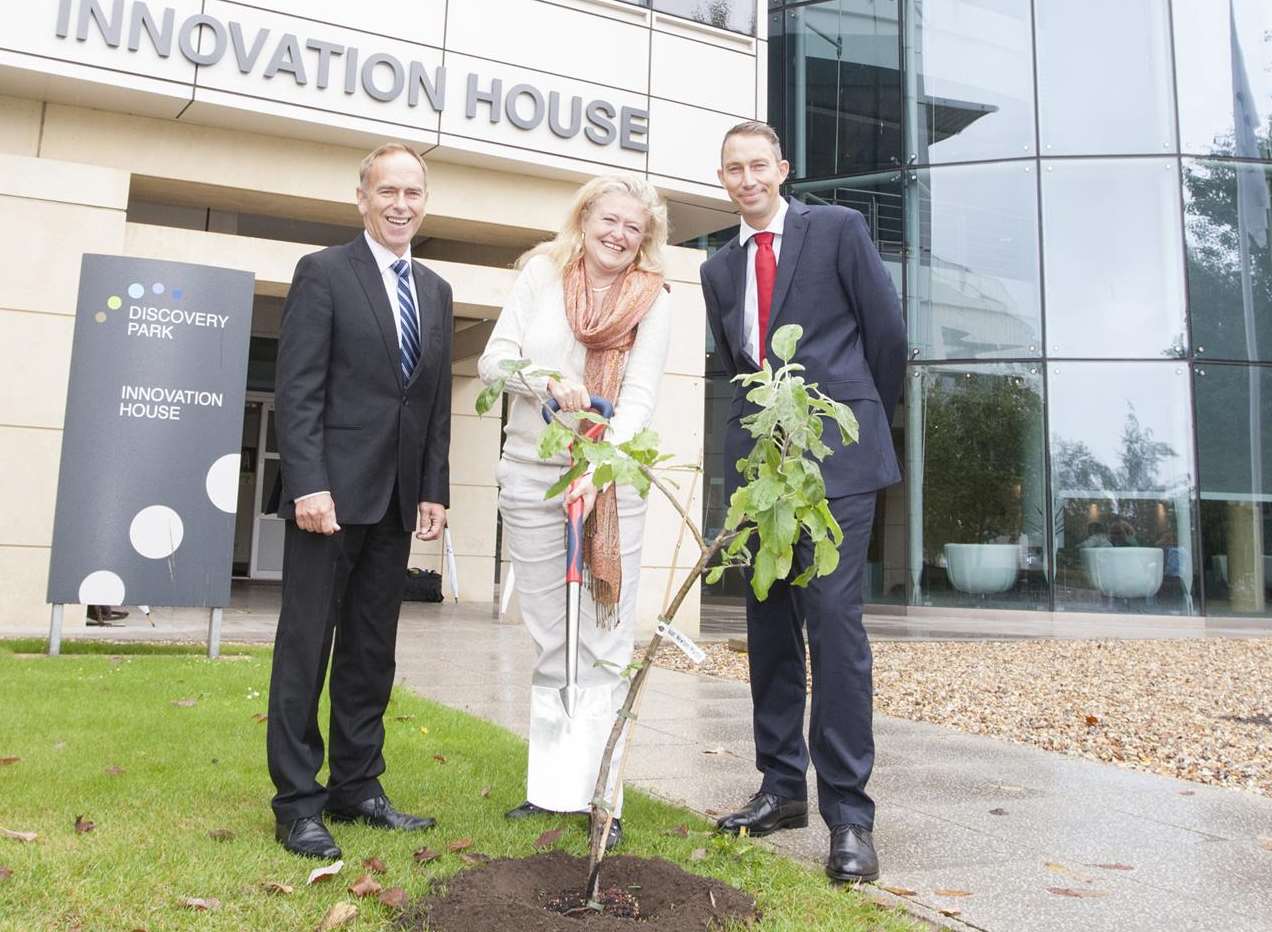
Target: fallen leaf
{"points": [[279, 889], [744, 832], [404, 718], [680, 831], [1266, 842], [473, 858], [201, 904], [548, 838], [365, 886], [375, 865], [5, 872], [18, 836], [424, 855], [1069, 891], [394, 898], [59, 745], [221, 834], [340, 914], [1112, 867], [115, 771], [83, 825], [998, 812], [1187, 792], [713, 813], [897, 891], [260, 717], [945, 891], [485, 792], [698, 854], [1093, 719], [715, 750], [184, 703], [319, 874], [459, 844], [424, 730], [950, 911], [440, 758], [6, 761]]}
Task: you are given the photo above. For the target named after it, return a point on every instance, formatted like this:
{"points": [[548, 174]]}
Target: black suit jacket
{"points": [[346, 422], [832, 282]]}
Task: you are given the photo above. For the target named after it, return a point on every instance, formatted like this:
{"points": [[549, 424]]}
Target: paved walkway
{"points": [[1008, 824]]}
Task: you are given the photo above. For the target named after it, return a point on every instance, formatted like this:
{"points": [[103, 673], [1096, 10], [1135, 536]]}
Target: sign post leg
{"points": [[214, 633], [55, 630]]}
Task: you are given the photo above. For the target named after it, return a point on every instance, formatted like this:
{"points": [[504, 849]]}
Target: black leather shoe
{"points": [[852, 855], [307, 837], [378, 812], [765, 814], [525, 810]]}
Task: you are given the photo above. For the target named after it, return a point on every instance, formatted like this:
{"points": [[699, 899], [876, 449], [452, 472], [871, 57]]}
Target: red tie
{"points": [[765, 275]]}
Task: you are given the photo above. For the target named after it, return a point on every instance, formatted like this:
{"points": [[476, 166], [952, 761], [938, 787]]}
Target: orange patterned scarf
{"points": [[608, 329]]}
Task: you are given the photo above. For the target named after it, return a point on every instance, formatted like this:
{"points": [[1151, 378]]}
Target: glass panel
{"points": [[973, 277], [1224, 50], [972, 73], [1104, 77], [1234, 403], [976, 475], [734, 15], [1122, 487], [1226, 213], [269, 546], [262, 361], [842, 93], [1114, 258], [271, 465], [877, 197]]}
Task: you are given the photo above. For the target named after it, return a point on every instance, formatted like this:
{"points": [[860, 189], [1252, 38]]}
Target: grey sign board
{"points": [[149, 477]]}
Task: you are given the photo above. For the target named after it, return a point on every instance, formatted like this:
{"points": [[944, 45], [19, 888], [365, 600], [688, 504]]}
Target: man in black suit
{"points": [[815, 266], [363, 420]]}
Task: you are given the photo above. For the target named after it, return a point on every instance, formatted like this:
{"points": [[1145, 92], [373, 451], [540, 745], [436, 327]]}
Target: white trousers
{"points": [[565, 753]]}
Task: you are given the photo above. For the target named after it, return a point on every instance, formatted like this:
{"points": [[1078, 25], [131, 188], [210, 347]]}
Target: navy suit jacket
{"points": [[347, 422], [832, 282]]}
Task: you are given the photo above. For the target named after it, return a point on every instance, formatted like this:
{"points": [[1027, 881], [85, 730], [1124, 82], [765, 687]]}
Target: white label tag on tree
{"points": [[683, 641]]}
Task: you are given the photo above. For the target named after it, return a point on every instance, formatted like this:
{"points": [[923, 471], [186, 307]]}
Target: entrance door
{"points": [[267, 530]]}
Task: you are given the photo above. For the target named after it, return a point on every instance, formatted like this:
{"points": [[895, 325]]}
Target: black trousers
{"points": [[344, 589], [841, 734]]}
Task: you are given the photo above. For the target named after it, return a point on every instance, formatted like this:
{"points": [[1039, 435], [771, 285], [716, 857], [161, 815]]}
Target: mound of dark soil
{"points": [[514, 895]]}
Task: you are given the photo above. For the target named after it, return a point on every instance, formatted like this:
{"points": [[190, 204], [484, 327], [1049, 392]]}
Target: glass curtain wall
{"points": [[1074, 199]]}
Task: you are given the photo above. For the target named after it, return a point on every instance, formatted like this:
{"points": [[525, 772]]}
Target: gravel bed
{"points": [[1198, 710]]}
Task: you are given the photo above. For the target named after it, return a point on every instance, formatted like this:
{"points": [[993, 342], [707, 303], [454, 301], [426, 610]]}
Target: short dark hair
{"points": [[754, 128]]}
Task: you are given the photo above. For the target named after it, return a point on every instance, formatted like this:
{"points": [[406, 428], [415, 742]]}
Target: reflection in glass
{"points": [[970, 64], [972, 233], [733, 15], [975, 471], [876, 196], [1122, 487], [1226, 213], [1113, 258], [1224, 75], [840, 107], [1104, 77], [1234, 404]]}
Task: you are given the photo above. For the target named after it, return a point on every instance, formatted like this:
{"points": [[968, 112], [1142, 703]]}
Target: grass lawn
{"points": [[159, 747]]}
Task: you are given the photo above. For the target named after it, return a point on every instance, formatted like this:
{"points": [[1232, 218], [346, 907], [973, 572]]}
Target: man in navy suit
{"points": [[815, 266]]}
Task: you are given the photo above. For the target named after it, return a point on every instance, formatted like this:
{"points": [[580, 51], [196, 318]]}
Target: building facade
{"points": [[229, 134], [1073, 199]]}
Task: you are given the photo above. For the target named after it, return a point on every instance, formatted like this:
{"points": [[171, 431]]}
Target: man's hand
{"points": [[571, 396], [583, 488], [317, 514], [431, 521]]}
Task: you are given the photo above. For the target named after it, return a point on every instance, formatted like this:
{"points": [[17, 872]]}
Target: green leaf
{"points": [[847, 422], [513, 366], [812, 521], [603, 476], [764, 493], [826, 557], [645, 441], [554, 440], [777, 527], [764, 575], [489, 395], [785, 339], [738, 544], [784, 562], [804, 578], [714, 574], [739, 506], [832, 526], [559, 487]]}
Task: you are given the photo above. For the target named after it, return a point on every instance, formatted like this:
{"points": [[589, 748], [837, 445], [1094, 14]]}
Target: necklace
{"points": [[599, 290]]}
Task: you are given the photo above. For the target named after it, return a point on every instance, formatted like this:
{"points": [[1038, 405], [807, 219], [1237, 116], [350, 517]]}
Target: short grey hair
{"points": [[388, 149], [754, 128]]}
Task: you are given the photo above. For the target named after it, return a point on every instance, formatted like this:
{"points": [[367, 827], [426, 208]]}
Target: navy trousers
{"points": [[841, 735]]}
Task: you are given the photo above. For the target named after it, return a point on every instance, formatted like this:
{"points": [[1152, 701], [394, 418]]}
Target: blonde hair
{"points": [[567, 245], [388, 148]]}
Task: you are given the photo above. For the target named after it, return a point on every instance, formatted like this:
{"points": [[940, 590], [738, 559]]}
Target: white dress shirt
{"points": [[751, 303], [384, 260]]}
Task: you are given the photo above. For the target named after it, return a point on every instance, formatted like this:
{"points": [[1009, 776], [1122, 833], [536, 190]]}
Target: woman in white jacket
{"points": [[590, 305]]}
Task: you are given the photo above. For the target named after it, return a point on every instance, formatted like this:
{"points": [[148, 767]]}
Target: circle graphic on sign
{"points": [[156, 532], [157, 287], [176, 293], [101, 587], [100, 317], [135, 290], [222, 483], [114, 302]]}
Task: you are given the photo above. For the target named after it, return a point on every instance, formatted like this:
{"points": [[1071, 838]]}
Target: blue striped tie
{"points": [[410, 341]]}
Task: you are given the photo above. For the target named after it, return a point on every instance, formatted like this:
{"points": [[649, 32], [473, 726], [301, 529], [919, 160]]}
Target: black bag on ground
{"points": [[422, 586]]}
